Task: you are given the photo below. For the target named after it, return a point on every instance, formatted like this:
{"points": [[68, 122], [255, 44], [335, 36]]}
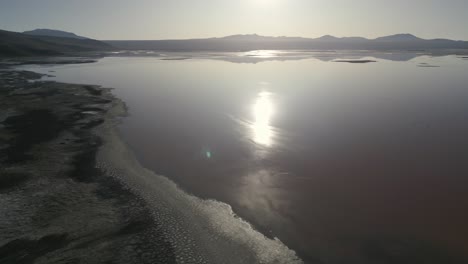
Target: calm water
{"points": [[361, 163]]}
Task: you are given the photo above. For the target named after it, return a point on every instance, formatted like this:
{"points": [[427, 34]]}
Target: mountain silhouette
{"points": [[399, 37], [53, 33], [257, 42], [19, 44]]}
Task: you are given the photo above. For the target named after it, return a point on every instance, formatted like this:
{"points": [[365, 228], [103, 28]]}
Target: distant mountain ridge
{"points": [[42, 42], [399, 37], [395, 37], [256, 42], [18, 44], [52, 33]]}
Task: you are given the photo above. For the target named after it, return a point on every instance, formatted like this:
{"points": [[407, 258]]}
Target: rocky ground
{"points": [[55, 205]]}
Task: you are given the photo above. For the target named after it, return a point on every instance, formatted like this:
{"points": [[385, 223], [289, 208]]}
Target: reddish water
{"points": [[361, 163]]}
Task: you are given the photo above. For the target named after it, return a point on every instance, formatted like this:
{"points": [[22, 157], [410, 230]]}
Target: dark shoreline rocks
{"points": [[355, 61], [55, 205]]}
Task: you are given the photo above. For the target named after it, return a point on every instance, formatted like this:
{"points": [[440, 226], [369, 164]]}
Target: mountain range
{"points": [[257, 42], [14, 44], [52, 33], [43, 42]]}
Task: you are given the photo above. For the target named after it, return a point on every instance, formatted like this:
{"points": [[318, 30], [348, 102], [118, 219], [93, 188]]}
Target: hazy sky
{"points": [[158, 19]]}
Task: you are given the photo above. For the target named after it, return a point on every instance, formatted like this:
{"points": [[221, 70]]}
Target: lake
{"points": [[343, 162]]}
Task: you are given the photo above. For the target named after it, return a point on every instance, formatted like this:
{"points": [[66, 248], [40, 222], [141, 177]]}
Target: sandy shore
{"points": [[72, 192]]}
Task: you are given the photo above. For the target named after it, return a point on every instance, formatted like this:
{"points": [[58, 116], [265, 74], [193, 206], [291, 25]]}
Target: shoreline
{"points": [[55, 205], [192, 224], [122, 213]]}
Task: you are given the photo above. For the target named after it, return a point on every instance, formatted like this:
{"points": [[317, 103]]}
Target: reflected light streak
{"points": [[261, 54], [263, 111]]}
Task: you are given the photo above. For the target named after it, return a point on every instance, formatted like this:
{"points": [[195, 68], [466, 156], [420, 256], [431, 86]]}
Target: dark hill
{"points": [[399, 38], [18, 44], [53, 33]]}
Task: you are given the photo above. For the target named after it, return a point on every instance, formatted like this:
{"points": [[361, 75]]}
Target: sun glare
{"points": [[264, 2], [263, 111]]}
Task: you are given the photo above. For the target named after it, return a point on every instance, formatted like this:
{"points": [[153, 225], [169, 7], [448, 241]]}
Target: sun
{"points": [[264, 2]]}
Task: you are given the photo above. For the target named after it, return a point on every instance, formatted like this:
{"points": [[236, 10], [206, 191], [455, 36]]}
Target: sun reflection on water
{"points": [[262, 54], [262, 112]]}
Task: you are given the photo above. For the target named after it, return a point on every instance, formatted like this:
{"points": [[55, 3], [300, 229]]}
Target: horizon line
{"points": [[248, 34], [282, 36]]}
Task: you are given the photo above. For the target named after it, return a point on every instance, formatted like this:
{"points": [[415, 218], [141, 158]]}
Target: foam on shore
{"points": [[201, 231]]}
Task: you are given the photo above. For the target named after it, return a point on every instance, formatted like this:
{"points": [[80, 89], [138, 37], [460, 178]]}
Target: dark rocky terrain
{"points": [[55, 205]]}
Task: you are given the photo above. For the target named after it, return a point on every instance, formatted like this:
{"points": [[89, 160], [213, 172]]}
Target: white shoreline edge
{"points": [[201, 231]]}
